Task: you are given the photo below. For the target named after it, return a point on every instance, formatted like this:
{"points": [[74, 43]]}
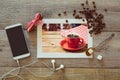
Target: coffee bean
{"points": [[65, 13], [77, 17], [94, 10], [91, 31], [93, 2], [83, 20], [105, 10], [104, 25], [73, 14], [66, 21], [74, 11], [84, 8], [89, 27], [80, 11], [82, 4], [94, 7], [80, 17], [59, 14], [96, 14], [87, 8]]}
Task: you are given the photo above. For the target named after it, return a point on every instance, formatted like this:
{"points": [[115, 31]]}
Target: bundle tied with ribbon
{"points": [[32, 24]]}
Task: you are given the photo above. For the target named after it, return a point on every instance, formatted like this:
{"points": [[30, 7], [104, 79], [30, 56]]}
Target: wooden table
{"points": [[13, 11]]}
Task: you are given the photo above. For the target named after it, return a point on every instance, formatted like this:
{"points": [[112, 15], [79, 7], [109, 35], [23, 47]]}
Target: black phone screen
{"points": [[17, 41]]}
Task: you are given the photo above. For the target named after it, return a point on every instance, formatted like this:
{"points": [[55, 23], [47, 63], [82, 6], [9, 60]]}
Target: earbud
{"points": [[53, 63], [60, 67]]}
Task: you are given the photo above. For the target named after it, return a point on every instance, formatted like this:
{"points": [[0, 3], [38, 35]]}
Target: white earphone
{"points": [[60, 67], [53, 64]]}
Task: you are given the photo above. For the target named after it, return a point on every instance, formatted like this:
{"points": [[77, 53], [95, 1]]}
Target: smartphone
{"points": [[17, 41]]}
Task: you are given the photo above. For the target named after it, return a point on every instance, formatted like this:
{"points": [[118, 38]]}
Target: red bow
{"points": [[37, 20]]}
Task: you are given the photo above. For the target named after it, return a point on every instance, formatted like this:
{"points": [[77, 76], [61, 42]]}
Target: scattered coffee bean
{"points": [[73, 14], [94, 7], [103, 25], [87, 8], [91, 31], [94, 19], [77, 17], [96, 14], [83, 20], [93, 3], [65, 13], [84, 8], [80, 17], [82, 4], [66, 21], [81, 12], [74, 11], [105, 10], [59, 14]]}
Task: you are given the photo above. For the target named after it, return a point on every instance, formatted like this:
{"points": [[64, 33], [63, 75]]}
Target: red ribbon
{"points": [[32, 24]]}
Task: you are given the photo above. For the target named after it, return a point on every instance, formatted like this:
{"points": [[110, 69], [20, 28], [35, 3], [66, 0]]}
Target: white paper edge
{"points": [[40, 54]]}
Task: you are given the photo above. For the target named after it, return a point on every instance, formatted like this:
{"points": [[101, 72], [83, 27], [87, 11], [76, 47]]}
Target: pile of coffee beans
{"points": [[94, 19]]}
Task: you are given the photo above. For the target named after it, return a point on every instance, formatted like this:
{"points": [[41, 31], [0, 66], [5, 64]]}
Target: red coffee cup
{"points": [[74, 41]]}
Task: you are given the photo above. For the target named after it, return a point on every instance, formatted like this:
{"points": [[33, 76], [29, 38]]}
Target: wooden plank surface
{"points": [[110, 52], [68, 74], [14, 11]]}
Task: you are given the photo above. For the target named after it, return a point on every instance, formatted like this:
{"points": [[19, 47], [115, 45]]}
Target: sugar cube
{"points": [[99, 57]]}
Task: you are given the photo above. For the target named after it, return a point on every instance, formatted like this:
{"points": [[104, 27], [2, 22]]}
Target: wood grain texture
{"points": [[14, 11], [22, 11], [69, 74], [110, 51]]}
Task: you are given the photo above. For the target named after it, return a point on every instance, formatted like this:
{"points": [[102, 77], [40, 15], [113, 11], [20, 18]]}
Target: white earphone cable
{"points": [[6, 75]]}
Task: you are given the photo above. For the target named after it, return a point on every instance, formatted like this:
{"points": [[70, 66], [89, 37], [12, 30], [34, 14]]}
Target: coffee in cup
{"points": [[74, 41]]}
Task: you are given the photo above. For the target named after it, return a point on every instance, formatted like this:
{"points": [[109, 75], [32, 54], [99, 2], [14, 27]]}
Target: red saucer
{"points": [[64, 45]]}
